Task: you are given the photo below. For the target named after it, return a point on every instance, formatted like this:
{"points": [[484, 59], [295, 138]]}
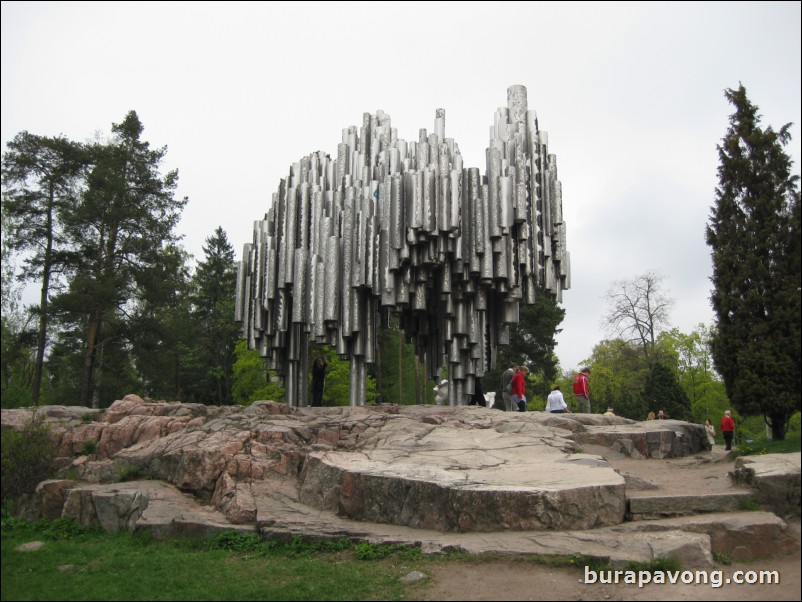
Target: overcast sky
{"points": [[631, 95]]}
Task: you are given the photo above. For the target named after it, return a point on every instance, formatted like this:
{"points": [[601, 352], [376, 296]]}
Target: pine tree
{"points": [[40, 182], [662, 391], [755, 239], [119, 230], [215, 284]]}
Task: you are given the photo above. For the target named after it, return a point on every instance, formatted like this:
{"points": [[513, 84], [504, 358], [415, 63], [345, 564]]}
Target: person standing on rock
{"points": [[727, 429], [519, 388], [506, 386], [318, 380], [556, 402], [582, 390]]}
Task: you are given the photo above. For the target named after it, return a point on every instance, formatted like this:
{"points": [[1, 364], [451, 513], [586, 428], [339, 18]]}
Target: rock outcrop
{"points": [[444, 468], [437, 477], [776, 477]]}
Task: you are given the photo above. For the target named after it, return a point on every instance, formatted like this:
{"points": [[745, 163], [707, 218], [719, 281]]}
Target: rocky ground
{"points": [[520, 579], [482, 481]]}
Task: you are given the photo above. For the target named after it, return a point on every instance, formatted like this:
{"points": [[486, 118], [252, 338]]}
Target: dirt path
{"points": [[521, 579]]}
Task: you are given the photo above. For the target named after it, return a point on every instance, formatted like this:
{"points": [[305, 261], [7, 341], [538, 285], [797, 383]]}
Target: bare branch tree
{"points": [[638, 310]]}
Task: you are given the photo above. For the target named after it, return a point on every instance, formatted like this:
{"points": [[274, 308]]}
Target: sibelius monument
{"points": [[398, 226]]}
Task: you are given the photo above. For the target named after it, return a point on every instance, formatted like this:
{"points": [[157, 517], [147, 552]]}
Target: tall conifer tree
{"points": [[755, 239]]}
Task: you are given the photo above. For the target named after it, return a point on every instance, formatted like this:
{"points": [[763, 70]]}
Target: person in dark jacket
{"points": [[318, 381]]}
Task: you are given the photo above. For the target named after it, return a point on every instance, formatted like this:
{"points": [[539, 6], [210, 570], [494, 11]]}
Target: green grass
{"points": [[81, 563], [77, 563], [761, 445]]}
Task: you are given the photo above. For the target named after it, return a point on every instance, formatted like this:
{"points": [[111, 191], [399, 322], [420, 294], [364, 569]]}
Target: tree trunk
{"points": [[43, 301], [777, 422], [92, 333]]}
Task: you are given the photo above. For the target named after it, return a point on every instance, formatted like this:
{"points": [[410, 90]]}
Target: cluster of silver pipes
{"points": [[397, 226]]}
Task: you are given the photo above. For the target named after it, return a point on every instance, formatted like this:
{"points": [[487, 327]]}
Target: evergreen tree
{"points": [[216, 333], [662, 391], [124, 220], [755, 239], [40, 181], [160, 327]]}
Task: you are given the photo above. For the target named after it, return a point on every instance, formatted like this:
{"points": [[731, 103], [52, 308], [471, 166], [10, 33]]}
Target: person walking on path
{"points": [[506, 387], [582, 390], [727, 429]]}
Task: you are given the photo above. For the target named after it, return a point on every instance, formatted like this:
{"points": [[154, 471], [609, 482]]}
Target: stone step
{"points": [[164, 511], [657, 506]]}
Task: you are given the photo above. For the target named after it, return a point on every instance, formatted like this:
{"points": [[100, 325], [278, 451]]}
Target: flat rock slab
{"points": [[154, 506], [647, 505], [455, 479], [776, 477]]}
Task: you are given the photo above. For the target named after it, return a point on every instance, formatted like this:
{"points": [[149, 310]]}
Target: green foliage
{"points": [[27, 459], [89, 447], [129, 472], [41, 182], [297, 546], [618, 374], [18, 366], [337, 387], [531, 344], [60, 529], [209, 369], [370, 551], [751, 443], [691, 354], [399, 376], [660, 564], [749, 505], [662, 391], [126, 566], [252, 381], [754, 235], [235, 541], [119, 234]]}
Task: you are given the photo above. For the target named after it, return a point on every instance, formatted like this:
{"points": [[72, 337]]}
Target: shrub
{"points": [[27, 459], [89, 447]]}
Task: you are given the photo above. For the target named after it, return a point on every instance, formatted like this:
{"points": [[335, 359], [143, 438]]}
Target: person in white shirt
{"points": [[556, 402]]}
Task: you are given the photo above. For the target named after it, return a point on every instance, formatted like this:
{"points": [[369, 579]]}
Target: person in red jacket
{"points": [[582, 390], [519, 388], [727, 428]]}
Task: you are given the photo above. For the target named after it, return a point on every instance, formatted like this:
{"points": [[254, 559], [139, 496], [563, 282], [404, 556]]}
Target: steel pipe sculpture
{"points": [[397, 226]]}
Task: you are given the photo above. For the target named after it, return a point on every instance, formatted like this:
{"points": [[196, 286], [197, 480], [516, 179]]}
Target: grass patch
{"points": [[89, 447], [749, 505], [761, 445], [722, 558], [230, 566], [661, 564]]}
